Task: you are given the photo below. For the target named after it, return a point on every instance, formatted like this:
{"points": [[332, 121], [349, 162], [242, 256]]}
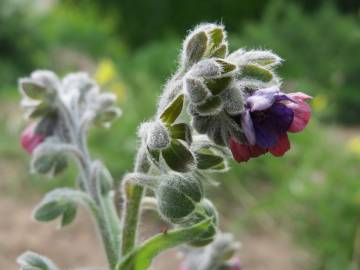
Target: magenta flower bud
{"points": [[31, 138]]}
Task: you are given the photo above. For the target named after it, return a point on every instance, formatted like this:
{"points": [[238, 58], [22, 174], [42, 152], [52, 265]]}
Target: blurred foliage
{"points": [[314, 190]]}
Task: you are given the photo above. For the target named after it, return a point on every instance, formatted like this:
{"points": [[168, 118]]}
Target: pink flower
{"points": [[269, 115], [30, 138]]}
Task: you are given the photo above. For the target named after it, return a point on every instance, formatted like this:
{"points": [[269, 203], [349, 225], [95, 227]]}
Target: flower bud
{"points": [[177, 196], [196, 90], [158, 136], [233, 100], [48, 159], [205, 210], [30, 138]]}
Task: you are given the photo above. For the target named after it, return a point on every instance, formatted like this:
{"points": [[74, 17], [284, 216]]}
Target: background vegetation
{"points": [[131, 46]]}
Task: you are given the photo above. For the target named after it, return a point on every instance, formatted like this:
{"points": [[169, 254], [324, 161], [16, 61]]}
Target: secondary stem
{"points": [[132, 204]]}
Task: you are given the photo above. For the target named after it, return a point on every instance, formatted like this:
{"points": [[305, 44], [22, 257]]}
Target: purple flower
{"points": [[268, 116]]}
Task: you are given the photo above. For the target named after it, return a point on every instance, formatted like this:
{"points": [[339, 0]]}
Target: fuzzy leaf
{"points": [[178, 157], [141, 257], [220, 52], [32, 89], [218, 85], [195, 48], [213, 105], [208, 161], [32, 261], [256, 72], [181, 131], [68, 215], [173, 110], [60, 202], [226, 66], [216, 36]]}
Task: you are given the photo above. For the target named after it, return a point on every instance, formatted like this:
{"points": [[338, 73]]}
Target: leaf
{"points": [[181, 131], [42, 109], [216, 86], [256, 72], [195, 48], [173, 110], [212, 106], [68, 215], [61, 202], [140, 258], [32, 261], [220, 52], [226, 66], [216, 36], [32, 89], [208, 161], [178, 157]]}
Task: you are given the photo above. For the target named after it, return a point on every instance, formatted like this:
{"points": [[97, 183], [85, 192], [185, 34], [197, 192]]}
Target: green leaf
{"points": [[216, 36], [181, 131], [208, 161], [220, 52], [49, 211], [196, 48], [256, 72], [140, 258], [68, 215], [178, 157], [226, 66], [42, 109], [216, 86], [173, 110], [212, 106], [32, 261], [32, 89], [61, 202]]}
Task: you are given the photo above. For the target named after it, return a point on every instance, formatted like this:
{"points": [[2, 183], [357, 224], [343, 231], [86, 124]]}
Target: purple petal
{"points": [[271, 123], [248, 127], [263, 99]]}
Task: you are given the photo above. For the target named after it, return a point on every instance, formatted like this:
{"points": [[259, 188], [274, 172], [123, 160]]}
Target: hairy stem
{"points": [[132, 203]]}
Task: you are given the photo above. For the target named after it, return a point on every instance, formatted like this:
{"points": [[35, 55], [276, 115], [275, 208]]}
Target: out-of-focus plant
{"points": [[215, 104]]}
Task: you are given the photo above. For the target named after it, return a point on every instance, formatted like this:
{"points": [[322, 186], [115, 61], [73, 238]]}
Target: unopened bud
{"points": [[196, 89], [158, 136], [178, 195]]}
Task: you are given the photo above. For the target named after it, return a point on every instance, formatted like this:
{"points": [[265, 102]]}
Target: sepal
{"points": [[179, 157], [173, 110]]}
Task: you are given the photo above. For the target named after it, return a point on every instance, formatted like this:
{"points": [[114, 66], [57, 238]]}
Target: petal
{"points": [[30, 139], [256, 151], [239, 151], [248, 127], [302, 115], [263, 98], [299, 96], [270, 124], [282, 146]]}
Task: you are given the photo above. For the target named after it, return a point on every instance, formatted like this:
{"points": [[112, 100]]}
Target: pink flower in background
{"points": [[235, 264], [30, 138], [268, 116]]}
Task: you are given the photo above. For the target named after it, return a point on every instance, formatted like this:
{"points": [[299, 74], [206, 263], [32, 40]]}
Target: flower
{"points": [[269, 114], [235, 264], [31, 138]]}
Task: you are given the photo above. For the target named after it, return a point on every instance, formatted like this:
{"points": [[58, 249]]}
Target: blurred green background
{"points": [[131, 47]]}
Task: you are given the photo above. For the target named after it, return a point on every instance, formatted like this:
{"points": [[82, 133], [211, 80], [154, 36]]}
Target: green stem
{"points": [[132, 202]]}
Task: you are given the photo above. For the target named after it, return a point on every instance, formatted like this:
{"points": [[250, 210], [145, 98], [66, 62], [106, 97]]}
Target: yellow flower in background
{"points": [[106, 72], [319, 103], [354, 145], [106, 75]]}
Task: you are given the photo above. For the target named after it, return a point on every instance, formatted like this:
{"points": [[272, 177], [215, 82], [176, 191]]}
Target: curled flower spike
{"points": [[31, 138], [268, 116]]}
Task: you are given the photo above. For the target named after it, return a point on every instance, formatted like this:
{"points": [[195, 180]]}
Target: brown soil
{"points": [[77, 244]]}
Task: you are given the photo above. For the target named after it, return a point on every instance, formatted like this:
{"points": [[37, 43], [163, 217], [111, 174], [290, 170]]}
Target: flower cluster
{"points": [[214, 105], [53, 105]]}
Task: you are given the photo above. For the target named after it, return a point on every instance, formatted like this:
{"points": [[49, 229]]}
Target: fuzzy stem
{"points": [[106, 216], [132, 203]]}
